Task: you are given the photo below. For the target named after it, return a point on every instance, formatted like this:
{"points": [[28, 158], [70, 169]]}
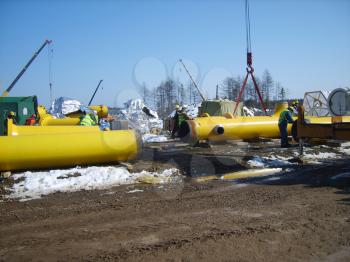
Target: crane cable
{"points": [[50, 58], [247, 24]]}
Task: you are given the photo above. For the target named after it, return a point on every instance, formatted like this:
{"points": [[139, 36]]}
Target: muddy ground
{"points": [[300, 215]]}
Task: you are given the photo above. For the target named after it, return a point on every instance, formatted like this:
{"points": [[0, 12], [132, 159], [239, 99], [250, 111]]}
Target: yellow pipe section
{"points": [[229, 127], [49, 120], [102, 112], [46, 149], [15, 130], [72, 119], [250, 173]]}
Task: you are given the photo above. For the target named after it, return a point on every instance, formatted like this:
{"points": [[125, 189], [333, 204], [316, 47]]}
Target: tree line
{"points": [[271, 90], [170, 92]]}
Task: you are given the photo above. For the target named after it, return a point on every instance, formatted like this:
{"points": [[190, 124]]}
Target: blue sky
{"points": [[304, 44]]}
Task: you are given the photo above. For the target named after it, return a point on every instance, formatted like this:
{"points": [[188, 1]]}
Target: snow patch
{"points": [[32, 185], [191, 110], [134, 191], [248, 111], [320, 156], [150, 138], [271, 161], [345, 150]]}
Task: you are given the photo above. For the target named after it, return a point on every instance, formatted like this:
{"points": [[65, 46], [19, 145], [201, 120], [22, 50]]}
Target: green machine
{"points": [[23, 107]]}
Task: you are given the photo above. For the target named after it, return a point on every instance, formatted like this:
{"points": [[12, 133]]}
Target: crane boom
{"points": [[194, 83], [8, 90], [99, 83]]}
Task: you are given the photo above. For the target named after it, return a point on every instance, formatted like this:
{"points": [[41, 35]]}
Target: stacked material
{"points": [[140, 117]]}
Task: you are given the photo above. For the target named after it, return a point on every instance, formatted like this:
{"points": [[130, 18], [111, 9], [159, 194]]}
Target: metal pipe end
{"points": [[219, 130]]}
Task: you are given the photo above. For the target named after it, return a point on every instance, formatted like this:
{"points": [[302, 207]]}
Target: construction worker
{"points": [[285, 119], [175, 121], [183, 115], [11, 115], [294, 107], [89, 120], [31, 121]]}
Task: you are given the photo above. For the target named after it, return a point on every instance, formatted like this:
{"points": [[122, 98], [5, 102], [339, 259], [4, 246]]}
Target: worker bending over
{"points": [[285, 118], [89, 120], [179, 117]]}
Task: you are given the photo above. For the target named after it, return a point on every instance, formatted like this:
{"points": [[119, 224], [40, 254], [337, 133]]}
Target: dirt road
{"points": [[304, 215]]}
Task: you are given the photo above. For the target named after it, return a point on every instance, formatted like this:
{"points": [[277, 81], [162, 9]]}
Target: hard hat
{"points": [[12, 113], [295, 102], [177, 107]]}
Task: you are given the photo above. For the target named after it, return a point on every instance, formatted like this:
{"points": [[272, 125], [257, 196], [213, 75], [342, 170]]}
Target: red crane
{"points": [[250, 69]]}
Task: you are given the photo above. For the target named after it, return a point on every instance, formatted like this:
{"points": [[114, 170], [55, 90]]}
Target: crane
{"points": [[8, 90], [194, 83], [250, 69]]}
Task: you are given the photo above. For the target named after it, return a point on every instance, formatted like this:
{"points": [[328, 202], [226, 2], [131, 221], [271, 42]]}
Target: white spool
{"points": [[339, 102]]}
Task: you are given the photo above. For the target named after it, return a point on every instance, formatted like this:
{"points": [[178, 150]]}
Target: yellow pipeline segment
{"points": [[250, 173], [73, 119], [230, 128], [48, 150], [49, 120], [102, 112], [15, 130]]}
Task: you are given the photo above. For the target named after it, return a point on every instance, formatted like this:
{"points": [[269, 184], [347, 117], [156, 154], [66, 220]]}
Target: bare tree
{"points": [[146, 95], [166, 95], [193, 95], [267, 86], [230, 87]]}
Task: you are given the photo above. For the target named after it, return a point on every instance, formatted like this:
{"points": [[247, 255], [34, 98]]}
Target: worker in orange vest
{"points": [[31, 121]]}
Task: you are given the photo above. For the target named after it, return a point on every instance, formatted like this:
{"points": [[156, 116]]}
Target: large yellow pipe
{"points": [[49, 120], [231, 128], [15, 130], [226, 128], [49, 150], [72, 119]]}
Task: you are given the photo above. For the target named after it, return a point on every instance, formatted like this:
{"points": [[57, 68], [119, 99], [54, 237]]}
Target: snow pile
{"points": [[320, 156], [253, 111], [190, 110], [272, 161], [151, 138], [247, 111], [345, 148], [64, 105], [32, 185], [140, 117]]}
